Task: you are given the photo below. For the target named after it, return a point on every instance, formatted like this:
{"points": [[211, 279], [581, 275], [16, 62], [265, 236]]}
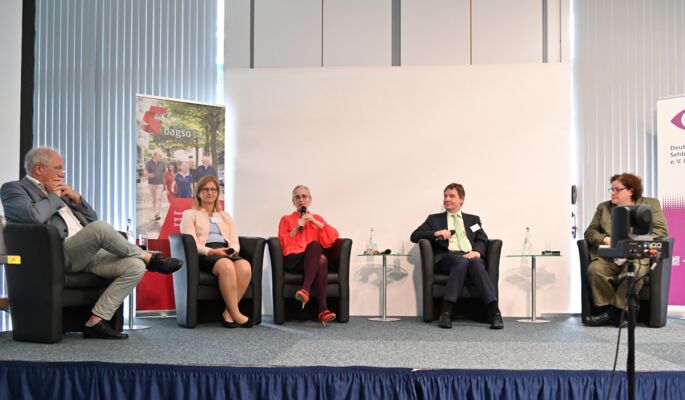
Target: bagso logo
{"points": [[152, 125], [678, 120]]}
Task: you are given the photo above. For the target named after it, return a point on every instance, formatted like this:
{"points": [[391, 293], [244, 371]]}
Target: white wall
{"points": [[10, 82], [309, 33], [377, 146]]}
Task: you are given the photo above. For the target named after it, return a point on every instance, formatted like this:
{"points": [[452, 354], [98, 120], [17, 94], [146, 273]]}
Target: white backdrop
{"points": [[377, 146]]}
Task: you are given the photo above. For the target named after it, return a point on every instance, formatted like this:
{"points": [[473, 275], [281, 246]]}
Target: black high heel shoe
{"points": [[247, 324], [228, 324]]}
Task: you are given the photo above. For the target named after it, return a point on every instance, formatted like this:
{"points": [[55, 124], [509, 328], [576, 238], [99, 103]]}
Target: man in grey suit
{"points": [[42, 197]]}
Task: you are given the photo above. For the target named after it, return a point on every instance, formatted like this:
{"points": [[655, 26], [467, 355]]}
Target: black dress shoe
{"points": [[496, 322], [445, 321], [620, 322], [102, 330], [602, 319], [164, 265]]}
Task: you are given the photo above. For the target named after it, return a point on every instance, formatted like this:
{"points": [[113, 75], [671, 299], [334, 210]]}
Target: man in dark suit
{"points": [[458, 242], [42, 197]]}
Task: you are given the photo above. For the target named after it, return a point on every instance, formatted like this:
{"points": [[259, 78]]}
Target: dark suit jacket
{"points": [[24, 202], [438, 222]]}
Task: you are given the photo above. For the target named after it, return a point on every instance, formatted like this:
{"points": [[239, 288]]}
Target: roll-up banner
{"points": [[178, 143], [671, 172]]}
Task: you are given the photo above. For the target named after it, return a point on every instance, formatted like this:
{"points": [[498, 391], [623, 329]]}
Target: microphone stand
{"points": [[631, 300]]}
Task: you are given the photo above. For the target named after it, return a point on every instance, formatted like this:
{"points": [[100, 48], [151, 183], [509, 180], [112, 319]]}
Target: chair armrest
{"points": [[492, 259], [340, 253], [427, 277], [36, 286], [659, 285], [585, 290], [186, 279], [252, 249], [277, 278]]}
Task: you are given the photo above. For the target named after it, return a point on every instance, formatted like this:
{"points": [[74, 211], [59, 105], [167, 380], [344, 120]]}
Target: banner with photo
{"points": [[671, 167], [178, 143]]}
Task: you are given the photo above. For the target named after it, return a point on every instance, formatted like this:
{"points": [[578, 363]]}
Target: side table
{"points": [[533, 319], [384, 285]]}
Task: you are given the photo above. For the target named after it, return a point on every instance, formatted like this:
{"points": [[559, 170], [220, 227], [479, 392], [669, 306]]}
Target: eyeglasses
{"points": [[617, 190], [59, 170], [209, 190], [301, 197]]}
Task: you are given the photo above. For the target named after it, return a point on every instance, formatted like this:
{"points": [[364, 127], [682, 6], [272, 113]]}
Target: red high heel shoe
{"points": [[326, 316], [302, 296]]}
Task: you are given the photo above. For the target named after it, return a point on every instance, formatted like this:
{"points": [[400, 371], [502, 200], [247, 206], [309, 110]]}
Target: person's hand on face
{"points": [[70, 192], [55, 186]]}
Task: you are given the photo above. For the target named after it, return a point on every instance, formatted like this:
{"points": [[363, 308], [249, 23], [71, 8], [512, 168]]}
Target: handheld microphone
{"points": [[303, 211], [452, 232], [230, 251]]}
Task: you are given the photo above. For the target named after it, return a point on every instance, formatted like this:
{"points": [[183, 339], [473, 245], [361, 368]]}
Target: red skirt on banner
{"points": [[155, 292]]}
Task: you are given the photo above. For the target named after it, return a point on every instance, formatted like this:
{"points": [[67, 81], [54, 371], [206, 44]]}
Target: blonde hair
{"points": [[204, 181]]}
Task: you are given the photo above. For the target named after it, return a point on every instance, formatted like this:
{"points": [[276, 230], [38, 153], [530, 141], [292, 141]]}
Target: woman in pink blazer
{"points": [[217, 245]]}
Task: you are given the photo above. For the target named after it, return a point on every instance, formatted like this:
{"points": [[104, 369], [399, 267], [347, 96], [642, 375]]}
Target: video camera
{"points": [[631, 235]]}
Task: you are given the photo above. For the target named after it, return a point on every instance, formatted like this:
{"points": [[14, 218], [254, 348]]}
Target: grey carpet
{"points": [[562, 344]]}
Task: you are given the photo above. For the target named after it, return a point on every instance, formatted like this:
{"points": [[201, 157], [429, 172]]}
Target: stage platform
{"points": [[561, 359]]}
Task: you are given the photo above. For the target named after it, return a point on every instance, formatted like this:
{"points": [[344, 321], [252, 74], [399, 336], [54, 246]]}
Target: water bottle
{"points": [[129, 232], [527, 242], [371, 243]]}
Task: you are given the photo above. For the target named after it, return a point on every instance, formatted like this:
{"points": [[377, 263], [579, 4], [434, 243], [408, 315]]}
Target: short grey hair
{"points": [[38, 155], [301, 187]]}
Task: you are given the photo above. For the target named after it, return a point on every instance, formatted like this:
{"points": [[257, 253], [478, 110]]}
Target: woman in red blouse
{"points": [[304, 238]]}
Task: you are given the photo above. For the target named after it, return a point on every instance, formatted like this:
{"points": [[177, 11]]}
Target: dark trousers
{"points": [[313, 263], [459, 269]]}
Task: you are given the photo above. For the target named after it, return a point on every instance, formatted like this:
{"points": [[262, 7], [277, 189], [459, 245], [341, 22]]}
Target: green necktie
{"points": [[462, 240]]}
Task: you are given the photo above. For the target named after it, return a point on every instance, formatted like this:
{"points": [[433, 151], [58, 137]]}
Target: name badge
{"points": [[214, 220], [475, 228]]}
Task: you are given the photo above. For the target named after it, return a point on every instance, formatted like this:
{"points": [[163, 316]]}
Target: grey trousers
{"points": [[99, 249]]}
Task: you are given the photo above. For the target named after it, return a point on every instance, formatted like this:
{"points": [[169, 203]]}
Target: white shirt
{"points": [[73, 224]]}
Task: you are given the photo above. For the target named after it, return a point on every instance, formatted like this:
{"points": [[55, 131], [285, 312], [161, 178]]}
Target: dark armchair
{"points": [[434, 283], [285, 284], [197, 294], [46, 301], [653, 297]]}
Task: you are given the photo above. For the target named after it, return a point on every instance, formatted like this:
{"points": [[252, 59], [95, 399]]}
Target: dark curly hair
{"points": [[631, 182]]}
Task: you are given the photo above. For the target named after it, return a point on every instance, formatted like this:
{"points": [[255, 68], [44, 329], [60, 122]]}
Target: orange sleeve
{"points": [[288, 244], [328, 234]]}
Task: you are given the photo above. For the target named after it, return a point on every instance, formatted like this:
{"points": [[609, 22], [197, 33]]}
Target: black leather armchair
{"points": [[434, 283], [197, 294], [285, 284], [46, 301], [653, 297]]}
